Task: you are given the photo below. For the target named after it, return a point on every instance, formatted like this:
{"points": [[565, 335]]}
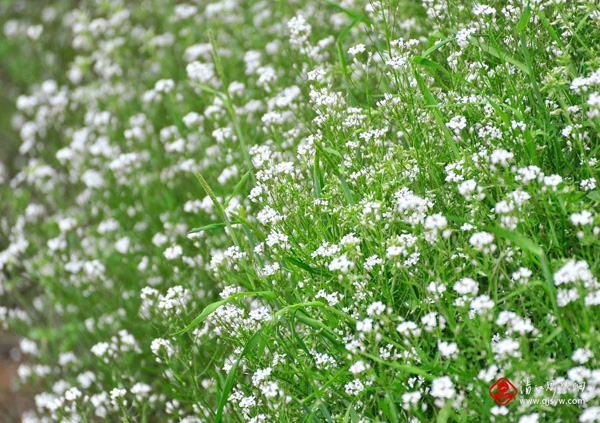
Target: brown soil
{"points": [[12, 404]]}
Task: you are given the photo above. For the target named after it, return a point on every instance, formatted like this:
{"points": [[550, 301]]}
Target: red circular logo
{"points": [[503, 391]]}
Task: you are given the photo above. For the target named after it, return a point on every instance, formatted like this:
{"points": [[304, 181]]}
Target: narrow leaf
{"points": [[231, 376], [437, 46], [524, 19], [432, 102], [209, 309], [519, 240], [210, 227], [501, 54], [238, 187], [354, 15]]}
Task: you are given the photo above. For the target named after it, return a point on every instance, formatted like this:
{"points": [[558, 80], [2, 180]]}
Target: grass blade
{"points": [[432, 102], [209, 309], [231, 376]]}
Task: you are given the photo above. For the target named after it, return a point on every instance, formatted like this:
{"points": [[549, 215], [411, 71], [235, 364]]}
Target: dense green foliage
{"points": [[303, 211]]}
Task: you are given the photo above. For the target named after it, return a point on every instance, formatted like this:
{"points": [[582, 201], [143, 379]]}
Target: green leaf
{"points": [[594, 195], [342, 59], [324, 387], [444, 413], [209, 90], [546, 24], [529, 246], [317, 177], [210, 227], [325, 412], [299, 263], [519, 240], [420, 60], [350, 415], [345, 188], [553, 335], [432, 102], [524, 19], [334, 152], [437, 46], [209, 309], [317, 324], [231, 376], [218, 206], [238, 187], [391, 406], [354, 15], [501, 54]]}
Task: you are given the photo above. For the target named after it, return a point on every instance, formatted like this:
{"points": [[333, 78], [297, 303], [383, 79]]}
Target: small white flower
{"points": [[356, 49], [117, 397], [358, 367], [173, 252], [443, 388], [582, 218]]}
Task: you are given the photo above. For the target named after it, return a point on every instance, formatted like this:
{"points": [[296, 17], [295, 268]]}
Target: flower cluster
{"points": [[247, 212]]}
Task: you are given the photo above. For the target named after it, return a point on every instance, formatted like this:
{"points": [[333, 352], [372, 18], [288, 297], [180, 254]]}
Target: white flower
{"points": [[358, 367], [487, 375], [342, 263], [261, 314], [354, 387], [117, 397], [501, 157], [566, 296], [412, 207], [376, 308], [356, 49], [365, 325], [28, 347], [86, 379], [530, 418], [409, 328], [442, 387], [201, 72], [481, 304], [122, 245], [448, 349], [164, 85], [588, 184], [141, 390], [552, 181], [160, 346], [582, 218], [261, 375], [467, 187], [483, 241], [299, 31], [457, 123], [499, 411], [574, 271], [435, 221], [590, 415], [506, 348], [228, 291], [522, 275], [173, 252], [466, 286], [93, 179], [410, 399], [72, 394], [100, 349]]}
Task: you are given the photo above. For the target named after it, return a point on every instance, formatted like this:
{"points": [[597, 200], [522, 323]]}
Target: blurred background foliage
{"points": [[21, 63]]}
